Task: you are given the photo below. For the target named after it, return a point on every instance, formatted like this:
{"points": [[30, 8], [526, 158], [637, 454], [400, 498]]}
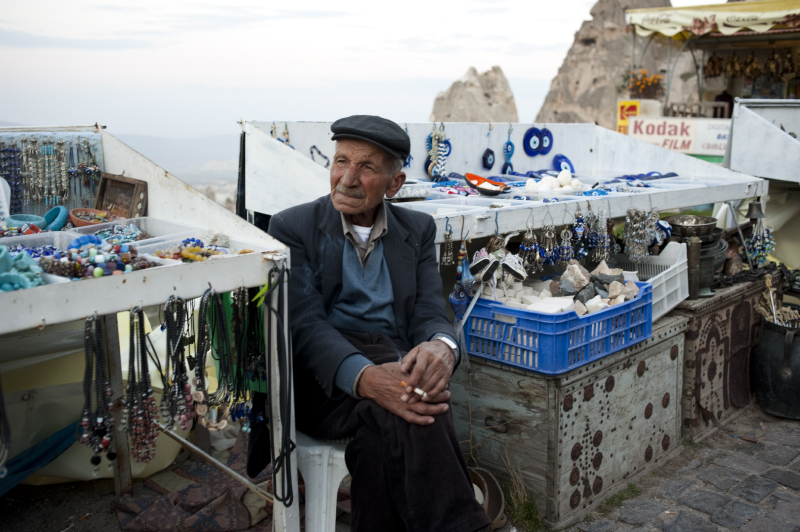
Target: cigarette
{"points": [[416, 390]]}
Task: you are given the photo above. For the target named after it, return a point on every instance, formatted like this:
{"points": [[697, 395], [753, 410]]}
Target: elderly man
{"points": [[367, 315]]}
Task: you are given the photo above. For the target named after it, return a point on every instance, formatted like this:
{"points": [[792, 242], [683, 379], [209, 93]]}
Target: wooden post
{"points": [[694, 267], [123, 482]]}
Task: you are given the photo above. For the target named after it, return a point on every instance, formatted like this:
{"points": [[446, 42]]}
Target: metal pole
{"points": [[633, 52], [216, 463], [644, 50], [670, 74]]}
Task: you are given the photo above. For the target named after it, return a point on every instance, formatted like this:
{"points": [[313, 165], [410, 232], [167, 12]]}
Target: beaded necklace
{"points": [[11, 172], [96, 428], [203, 346], [139, 417], [63, 180], [32, 163], [176, 403]]}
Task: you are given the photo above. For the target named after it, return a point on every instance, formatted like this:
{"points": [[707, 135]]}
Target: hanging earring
{"points": [[593, 235], [579, 236], [447, 256], [530, 251], [603, 239], [549, 247], [565, 251]]}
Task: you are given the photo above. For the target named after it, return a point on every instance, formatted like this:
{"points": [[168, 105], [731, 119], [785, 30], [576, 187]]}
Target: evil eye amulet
{"points": [[532, 141]]}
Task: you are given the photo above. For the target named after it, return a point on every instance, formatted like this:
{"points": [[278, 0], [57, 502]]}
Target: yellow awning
{"points": [[721, 18]]}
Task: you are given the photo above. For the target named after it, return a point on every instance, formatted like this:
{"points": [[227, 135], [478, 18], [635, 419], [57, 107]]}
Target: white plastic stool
{"points": [[323, 468]]}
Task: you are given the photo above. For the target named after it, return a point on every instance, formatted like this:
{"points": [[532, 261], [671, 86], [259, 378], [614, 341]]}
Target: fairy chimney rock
{"points": [[476, 97]]}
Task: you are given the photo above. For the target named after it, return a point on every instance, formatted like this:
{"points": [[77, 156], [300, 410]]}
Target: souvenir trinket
{"points": [[139, 416]]}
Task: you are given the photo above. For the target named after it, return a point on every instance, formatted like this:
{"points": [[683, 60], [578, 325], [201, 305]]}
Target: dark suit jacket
{"points": [[313, 231]]}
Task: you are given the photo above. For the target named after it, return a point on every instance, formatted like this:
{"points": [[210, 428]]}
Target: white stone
{"points": [[539, 286], [564, 178], [529, 291], [545, 307], [519, 294], [600, 267], [567, 188], [530, 300], [595, 304], [618, 300], [580, 308], [631, 290], [487, 290], [514, 304], [514, 300], [577, 275], [615, 290], [545, 187], [545, 294], [485, 97], [577, 185]]}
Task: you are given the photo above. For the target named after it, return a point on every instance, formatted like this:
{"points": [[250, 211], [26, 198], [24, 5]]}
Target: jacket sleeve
{"points": [[430, 315], [317, 346]]}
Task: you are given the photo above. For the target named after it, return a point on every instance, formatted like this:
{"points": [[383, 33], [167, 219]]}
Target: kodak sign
{"points": [[698, 136]]}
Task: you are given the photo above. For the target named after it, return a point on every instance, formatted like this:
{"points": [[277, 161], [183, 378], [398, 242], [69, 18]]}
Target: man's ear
{"points": [[395, 182]]}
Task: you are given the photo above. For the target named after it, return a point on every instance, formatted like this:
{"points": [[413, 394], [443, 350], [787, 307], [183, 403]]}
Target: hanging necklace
{"points": [[96, 428], [602, 248], [139, 417], [63, 181]]}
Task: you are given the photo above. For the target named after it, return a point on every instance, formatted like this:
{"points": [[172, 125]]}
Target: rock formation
{"points": [[587, 86], [476, 98]]}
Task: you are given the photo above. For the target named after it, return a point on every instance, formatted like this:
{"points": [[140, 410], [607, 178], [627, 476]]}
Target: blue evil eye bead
{"points": [[488, 159], [547, 142], [560, 162], [532, 142], [449, 148], [507, 168]]}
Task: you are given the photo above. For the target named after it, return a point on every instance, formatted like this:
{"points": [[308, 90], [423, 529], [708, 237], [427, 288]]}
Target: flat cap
{"points": [[381, 132]]}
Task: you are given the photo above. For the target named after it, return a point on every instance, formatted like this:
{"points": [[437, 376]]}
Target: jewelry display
{"points": [[407, 162], [45, 170], [438, 150], [122, 234], [97, 426], [140, 414], [592, 231], [176, 404], [639, 233], [89, 257], [614, 246]]}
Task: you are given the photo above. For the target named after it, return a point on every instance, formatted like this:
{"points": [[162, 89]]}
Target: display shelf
{"points": [[273, 170], [63, 302]]}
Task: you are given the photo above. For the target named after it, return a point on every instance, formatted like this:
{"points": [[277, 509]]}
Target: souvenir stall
{"points": [[569, 320], [742, 49], [95, 234]]}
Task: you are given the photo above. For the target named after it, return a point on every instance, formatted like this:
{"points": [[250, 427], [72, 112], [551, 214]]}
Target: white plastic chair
{"points": [[323, 468]]}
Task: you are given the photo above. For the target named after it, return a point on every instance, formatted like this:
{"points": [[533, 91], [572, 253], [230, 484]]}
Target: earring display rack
{"points": [[271, 172]]}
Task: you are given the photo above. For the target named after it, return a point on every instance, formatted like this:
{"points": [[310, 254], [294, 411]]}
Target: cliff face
{"points": [[586, 87], [476, 98]]}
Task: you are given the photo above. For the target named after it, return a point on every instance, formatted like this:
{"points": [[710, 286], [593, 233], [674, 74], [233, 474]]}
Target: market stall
{"points": [[565, 354], [152, 239]]}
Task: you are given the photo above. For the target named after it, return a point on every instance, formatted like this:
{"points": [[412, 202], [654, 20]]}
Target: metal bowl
{"points": [[691, 225]]}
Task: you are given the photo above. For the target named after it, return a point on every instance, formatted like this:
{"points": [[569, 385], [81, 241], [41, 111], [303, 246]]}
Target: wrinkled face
{"points": [[359, 177]]}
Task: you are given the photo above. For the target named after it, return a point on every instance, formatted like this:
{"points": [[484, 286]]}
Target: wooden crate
{"points": [[579, 437], [721, 333]]}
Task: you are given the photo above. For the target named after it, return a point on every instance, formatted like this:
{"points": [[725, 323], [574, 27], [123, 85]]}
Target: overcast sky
{"points": [[185, 69]]}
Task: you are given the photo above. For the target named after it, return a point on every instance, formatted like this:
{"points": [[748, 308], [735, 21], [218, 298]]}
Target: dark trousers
{"points": [[406, 477]]}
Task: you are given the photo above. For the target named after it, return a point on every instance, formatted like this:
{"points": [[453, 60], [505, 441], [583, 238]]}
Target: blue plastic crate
{"points": [[556, 343]]}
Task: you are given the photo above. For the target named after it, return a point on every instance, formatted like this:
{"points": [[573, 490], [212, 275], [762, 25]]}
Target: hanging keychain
{"points": [[508, 152], [488, 155], [447, 256], [407, 163]]}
